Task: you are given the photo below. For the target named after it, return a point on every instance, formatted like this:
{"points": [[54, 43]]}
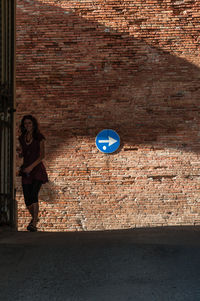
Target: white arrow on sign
{"points": [[110, 141]]}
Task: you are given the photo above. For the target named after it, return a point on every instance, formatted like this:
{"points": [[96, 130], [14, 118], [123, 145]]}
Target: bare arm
{"points": [[19, 151], [41, 157]]}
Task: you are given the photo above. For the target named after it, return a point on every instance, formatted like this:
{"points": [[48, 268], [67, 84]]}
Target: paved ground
{"points": [[150, 265]]}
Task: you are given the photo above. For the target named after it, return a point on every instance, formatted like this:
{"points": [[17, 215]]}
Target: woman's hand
{"points": [[27, 169]]}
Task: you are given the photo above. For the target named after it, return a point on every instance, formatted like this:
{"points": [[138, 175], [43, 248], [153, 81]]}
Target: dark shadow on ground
{"points": [[140, 264], [168, 235]]}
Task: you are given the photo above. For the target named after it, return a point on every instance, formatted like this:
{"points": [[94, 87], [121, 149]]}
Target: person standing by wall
{"points": [[33, 172]]}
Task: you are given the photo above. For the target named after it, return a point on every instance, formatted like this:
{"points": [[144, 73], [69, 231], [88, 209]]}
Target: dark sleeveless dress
{"points": [[31, 153]]}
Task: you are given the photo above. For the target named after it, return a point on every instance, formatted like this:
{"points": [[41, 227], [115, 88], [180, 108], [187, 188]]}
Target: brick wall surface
{"points": [[132, 66]]}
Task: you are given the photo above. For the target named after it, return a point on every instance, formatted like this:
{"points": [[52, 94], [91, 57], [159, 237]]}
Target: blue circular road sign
{"points": [[107, 141]]}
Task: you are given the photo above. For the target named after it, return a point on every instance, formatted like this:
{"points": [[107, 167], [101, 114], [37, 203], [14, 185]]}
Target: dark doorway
{"points": [[7, 88]]}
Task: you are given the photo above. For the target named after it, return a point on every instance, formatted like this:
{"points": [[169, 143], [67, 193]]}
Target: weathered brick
{"points": [[132, 66]]}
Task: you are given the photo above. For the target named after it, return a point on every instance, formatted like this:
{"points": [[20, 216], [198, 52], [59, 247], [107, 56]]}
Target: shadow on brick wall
{"points": [[81, 77]]}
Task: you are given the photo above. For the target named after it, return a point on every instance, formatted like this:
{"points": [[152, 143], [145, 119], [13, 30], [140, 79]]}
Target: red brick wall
{"points": [[132, 66]]}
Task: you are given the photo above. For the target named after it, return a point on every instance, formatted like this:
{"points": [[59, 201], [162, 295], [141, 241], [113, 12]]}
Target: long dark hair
{"points": [[35, 126]]}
